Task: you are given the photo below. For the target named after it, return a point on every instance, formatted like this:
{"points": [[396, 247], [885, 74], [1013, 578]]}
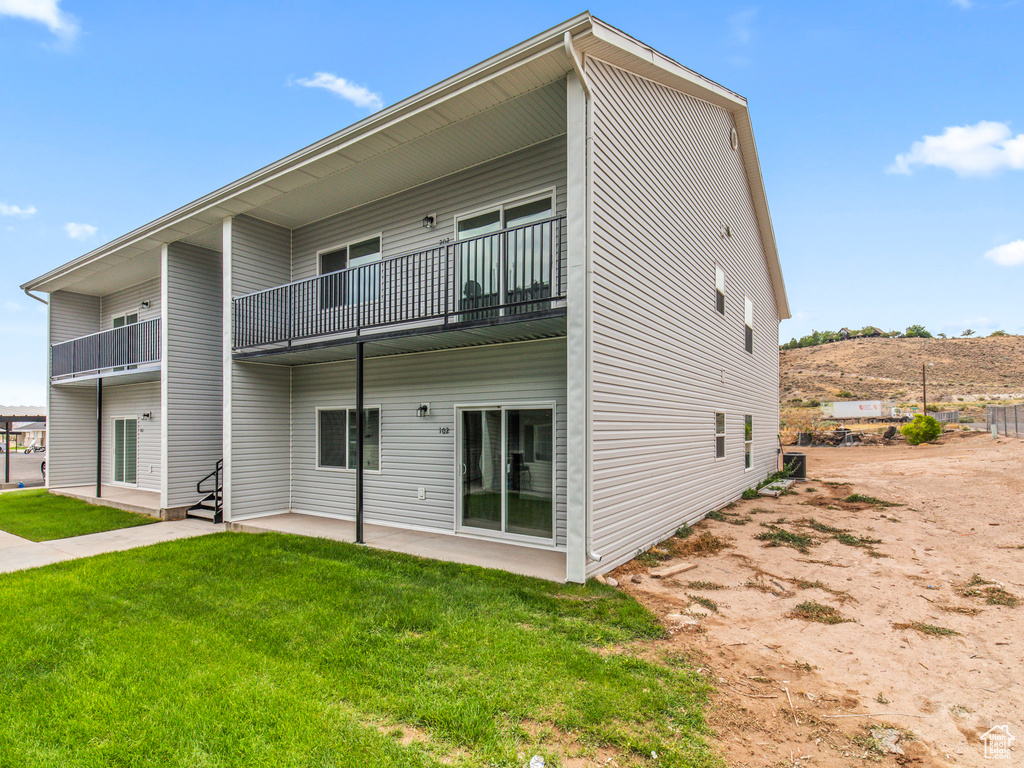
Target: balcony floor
{"points": [[546, 564], [424, 338], [110, 378]]}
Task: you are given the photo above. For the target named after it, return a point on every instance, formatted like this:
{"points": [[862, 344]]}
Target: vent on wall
{"points": [[734, 139]]}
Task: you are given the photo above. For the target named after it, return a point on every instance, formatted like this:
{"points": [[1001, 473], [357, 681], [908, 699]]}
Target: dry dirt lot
{"points": [[930, 654]]}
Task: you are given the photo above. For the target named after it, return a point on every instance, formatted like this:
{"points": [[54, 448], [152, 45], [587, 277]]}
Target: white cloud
{"points": [[79, 231], [741, 25], [1009, 255], [968, 150], [46, 12], [16, 210], [357, 94]]}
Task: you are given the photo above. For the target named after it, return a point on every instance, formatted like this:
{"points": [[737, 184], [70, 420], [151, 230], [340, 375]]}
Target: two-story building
{"points": [[535, 304]]}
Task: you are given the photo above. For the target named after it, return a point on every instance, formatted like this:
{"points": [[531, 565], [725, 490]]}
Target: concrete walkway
{"points": [[17, 554]]}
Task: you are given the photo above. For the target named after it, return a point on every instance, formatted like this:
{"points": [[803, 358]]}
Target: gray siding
{"points": [[260, 255], [73, 315], [131, 401], [192, 372], [260, 429], [399, 217], [665, 182], [414, 453], [128, 300], [258, 468], [71, 427], [71, 437]]}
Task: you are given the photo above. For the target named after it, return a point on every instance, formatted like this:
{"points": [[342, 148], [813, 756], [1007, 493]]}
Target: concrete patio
{"points": [[128, 499], [528, 561]]}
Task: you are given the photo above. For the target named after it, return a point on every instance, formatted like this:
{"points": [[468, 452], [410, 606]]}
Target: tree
{"points": [[941, 335], [998, 333], [923, 429], [917, 331], [967, 333]]}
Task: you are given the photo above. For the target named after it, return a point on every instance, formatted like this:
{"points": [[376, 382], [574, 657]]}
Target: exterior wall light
{"points": [[423, 410], [144, 305], [429, 220]]}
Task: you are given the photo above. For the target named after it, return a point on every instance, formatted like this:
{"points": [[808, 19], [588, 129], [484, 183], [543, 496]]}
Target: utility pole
{"points": [[924, 391]]}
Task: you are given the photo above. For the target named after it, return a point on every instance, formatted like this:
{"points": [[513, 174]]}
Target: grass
{"points": [[705, 585], [926, 629], [860, 498], [814, 611], [733, 518], [703, 544], [242, 650], [704, 602], [842, 535], [780, 537], [39, 516], [991, 592]]}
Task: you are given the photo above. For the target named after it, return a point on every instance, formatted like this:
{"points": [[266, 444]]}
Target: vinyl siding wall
{"points": [[71, 427], [399, 218], [193, 369], [260, 394], [414, 453], [128, 300], [131, 401], [665, 182]]}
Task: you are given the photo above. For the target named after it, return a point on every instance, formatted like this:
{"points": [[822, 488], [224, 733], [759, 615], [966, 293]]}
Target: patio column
{"points": [[99, 438], [7, 451], [360, 428]]}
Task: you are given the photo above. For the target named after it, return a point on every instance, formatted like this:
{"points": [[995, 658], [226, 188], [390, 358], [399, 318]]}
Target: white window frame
{"points": [[721, 435], [347, 408], [719, 288], [531, 197], [347, 246], [748, 443], [748, 324]]}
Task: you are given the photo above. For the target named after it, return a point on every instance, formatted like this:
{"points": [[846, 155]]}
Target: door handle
{"points": [[463, 467]]}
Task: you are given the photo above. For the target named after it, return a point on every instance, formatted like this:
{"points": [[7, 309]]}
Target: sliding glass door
{"points": [[126, 432], [506, 465]]}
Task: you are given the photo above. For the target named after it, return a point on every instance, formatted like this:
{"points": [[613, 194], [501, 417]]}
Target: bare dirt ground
{"points": [[797, 692]]}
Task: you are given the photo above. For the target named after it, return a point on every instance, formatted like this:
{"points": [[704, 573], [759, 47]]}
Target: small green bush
{"points": [[923, 429], [844, 393]]}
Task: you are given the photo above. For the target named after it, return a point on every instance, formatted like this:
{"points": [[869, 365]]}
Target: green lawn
{"points": [[274, 650], [39, 516]]}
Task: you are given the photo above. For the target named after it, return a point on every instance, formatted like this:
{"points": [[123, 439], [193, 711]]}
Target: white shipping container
{"points": [[858, 409]]}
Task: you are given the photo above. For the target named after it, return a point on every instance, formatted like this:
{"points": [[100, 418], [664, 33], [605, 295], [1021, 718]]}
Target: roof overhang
{"points": [[290, 190]]}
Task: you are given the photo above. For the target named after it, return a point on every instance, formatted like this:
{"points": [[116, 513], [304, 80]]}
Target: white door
{"points": [[126, 451]]}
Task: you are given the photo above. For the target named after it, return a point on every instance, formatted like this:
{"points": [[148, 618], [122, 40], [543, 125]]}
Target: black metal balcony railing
{"points": [[508, 272], [124, 347]]}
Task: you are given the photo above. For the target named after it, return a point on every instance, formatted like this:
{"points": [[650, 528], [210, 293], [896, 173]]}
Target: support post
{"points": [[7, 451], [360, 428], [924, 391], [99, 438]]}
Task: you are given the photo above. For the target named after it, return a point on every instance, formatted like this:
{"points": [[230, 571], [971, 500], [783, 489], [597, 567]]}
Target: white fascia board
{"points": [[517, 56]]}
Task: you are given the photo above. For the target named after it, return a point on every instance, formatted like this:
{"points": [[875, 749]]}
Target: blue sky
{"points": [[891, 134]]}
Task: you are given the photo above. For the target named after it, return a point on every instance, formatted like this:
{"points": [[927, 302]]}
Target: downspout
{"points": [[578, 67]]}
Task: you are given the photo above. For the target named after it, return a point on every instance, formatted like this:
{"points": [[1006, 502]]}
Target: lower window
{"points": [[748, 439], [719, 435], [337, 438]]}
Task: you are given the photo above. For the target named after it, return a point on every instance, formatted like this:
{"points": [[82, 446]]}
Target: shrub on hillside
{"points": [[923, 429], [917, 332]]}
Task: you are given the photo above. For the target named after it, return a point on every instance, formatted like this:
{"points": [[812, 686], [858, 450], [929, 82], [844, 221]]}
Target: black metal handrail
{"points": [[507, 272], [123, 347]]}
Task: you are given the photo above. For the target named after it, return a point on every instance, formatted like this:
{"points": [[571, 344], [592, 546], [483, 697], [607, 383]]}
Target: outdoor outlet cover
{"points": [[421, 492]]}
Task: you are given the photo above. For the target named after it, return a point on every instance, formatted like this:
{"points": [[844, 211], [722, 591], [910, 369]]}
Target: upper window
{"points": [[719, 290], [748, 324], [748, 439], [719, 435], [128, 319], [352, 287], [337, 435]]}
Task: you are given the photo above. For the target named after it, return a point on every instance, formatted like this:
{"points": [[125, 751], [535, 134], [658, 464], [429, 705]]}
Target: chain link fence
{"points": [[1007, 419], [947, 417]]}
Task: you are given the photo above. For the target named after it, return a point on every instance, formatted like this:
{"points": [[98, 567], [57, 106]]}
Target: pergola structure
{"points": [[9, 415]]}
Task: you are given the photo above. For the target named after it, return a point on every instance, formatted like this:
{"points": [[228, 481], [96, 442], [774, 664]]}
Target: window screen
{"points": [[719, 290], [719, 435], [332, 439], [748, 439], [748, 319]]}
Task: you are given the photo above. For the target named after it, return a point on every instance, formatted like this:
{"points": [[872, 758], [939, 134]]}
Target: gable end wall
{"points": [[665, 182]]}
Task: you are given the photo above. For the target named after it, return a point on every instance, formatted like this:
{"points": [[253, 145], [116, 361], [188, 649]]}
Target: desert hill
{"points": [[959, 370]]}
